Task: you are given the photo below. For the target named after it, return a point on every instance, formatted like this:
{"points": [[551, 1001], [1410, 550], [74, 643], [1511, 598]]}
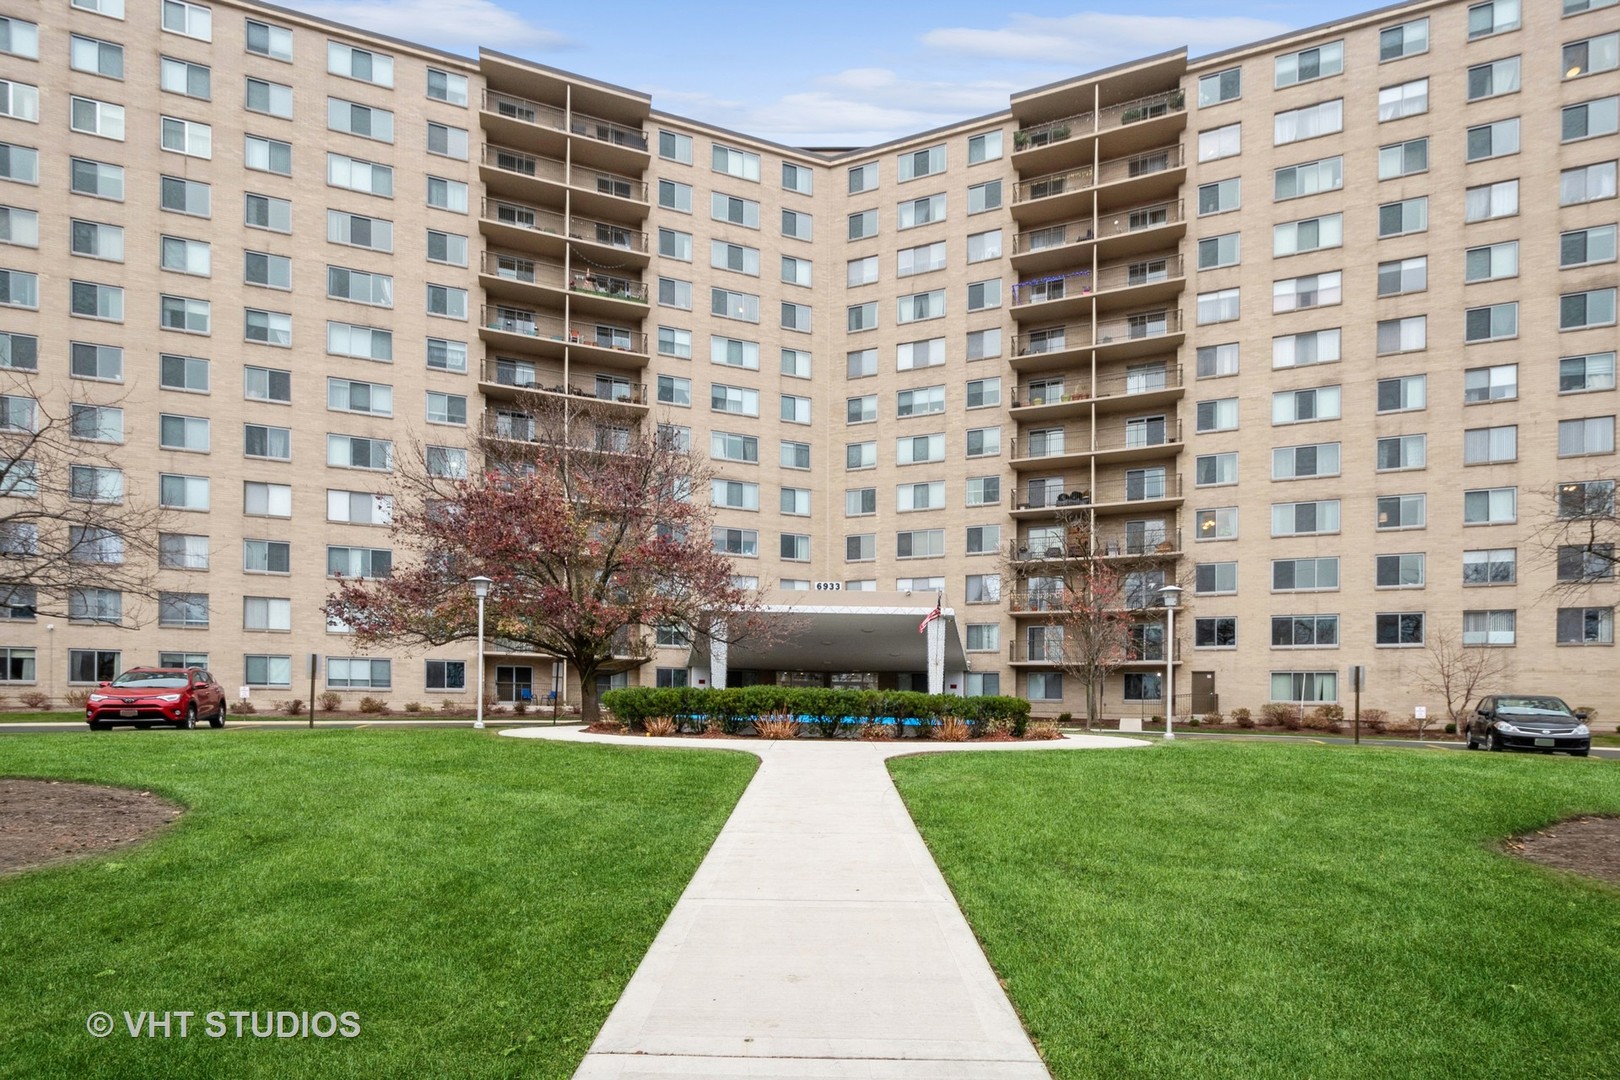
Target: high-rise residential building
{"points": [[1321, 327]]}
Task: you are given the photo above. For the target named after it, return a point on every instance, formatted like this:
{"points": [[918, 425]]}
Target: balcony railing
{"points": [[1108, 172], [594, 127], [1055, 391], [1059, 442], [530, 112], [1137, 485], [1115, 223], [521, 375], [1087, 123], [1150, 324], [543, 168], [539, 220], [512, 320], [515, 267], [1123, 275], [616, 288]]}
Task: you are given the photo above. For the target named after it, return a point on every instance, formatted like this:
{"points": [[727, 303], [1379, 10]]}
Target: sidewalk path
{"points": [[817, 939]]}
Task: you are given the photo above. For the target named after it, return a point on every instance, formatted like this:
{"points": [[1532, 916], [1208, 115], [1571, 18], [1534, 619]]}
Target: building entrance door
{"points": [[1204, 698]]}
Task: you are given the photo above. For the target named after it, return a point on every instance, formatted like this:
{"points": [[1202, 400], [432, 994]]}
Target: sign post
{"points": [[1358, 678], [314, 666]]}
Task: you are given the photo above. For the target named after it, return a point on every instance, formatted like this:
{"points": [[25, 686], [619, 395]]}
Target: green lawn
{"points": [[479, 901], [41, 716], [1220, 909]]}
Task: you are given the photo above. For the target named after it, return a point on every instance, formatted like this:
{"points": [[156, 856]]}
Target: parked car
{"points": [[1528, 722], [148, 696]]}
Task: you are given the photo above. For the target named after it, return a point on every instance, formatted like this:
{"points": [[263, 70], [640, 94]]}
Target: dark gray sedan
{"points": [[1524, 722]]}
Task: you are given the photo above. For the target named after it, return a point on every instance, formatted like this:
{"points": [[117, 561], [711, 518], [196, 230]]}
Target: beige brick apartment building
{"points": [[1318, 325]]}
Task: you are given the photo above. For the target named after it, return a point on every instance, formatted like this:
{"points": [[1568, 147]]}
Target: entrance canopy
{"points": [[843, 631]]}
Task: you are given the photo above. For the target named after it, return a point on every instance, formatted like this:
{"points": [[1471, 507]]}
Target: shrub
{"points": [[1451, 728], [413, 706], [1276, 713], [520, 708], [34, 699], [330, 702], [1243, 718], [373, 706], [244, 708], [77, 698], [1214, 717], [448, 706], [953, 729], [291, 708], [660, 726], [776, 726], [1042, 729], [1325, 718], [1377, 720], [877, 731], [1293, 721], [1065, 718]]}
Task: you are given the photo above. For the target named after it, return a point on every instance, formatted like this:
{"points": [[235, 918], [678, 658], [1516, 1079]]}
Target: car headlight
{"points": [[1582, 729], [1505, 728], [98, 697], [168, 697]]}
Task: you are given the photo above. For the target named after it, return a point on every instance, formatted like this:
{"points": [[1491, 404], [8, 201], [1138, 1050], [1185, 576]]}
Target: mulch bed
{"points": [[51, 821], [1584, 845]]}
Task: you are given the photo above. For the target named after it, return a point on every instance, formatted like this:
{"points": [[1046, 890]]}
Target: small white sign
{"points": [[242, 692], [1420, 712]]}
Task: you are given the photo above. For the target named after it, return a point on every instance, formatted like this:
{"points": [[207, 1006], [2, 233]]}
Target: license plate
{"points": [[1546, 742], [129, 712]]}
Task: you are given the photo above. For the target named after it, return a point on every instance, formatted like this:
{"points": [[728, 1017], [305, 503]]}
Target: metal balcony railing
{"points": [[1108, 172], [1122, 275], [594, 127], [1140, 380], [1114, 223], [516, 320], [1077, 439], [1149, 324], [530, 112], [513, 266], [522, 375], [602, 284], [544, 168], [1088, 123], [539, 220]]}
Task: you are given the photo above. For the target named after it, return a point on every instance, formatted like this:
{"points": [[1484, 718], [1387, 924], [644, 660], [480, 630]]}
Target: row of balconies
{"points": [[524, 175], [1135, 489], [1168, 104]]}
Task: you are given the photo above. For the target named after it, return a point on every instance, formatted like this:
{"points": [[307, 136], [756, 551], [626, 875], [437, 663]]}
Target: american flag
{"points": [[922, 627]]}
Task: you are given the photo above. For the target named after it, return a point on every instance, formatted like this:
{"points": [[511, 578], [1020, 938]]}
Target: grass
{"points": [[1221, 909], [41, 716], [480, 902]]}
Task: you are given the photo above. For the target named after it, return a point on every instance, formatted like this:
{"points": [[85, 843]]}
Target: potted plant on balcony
{"points": [[1060, 133], [1020, 140]]}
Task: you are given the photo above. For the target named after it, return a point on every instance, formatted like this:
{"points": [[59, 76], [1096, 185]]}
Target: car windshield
{"points": [[150, 680], [1532, 706]]}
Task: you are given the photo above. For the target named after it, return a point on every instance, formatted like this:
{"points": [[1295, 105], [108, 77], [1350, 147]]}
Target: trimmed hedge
{"points": [[829, 713]]}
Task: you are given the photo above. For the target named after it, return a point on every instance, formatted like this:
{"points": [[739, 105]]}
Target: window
{"points": [[1492, 201], [1403, 335], [983, 442], [1584, 247], [1400, 276], [1490, 506], [985, 196], [1406, 216], [796, 317], [362, 120], [1580, 122], [795, 409], [21, 165], [267, 155], [983, 295], [743, 542], [20, 101], [729, 208], [445, 87], [983, 393], [19, 38], [1488, 627], [441, 299], [914, 449], [918, 307], [1397, 452], [268, 97], [1215, 361], [358, 507], [268, 327], [359, 452], [986, 147], [1591, 562], [1217, 415], [96, 423], [725, 446], [796, 178], [1492, 17], [734, 305], [94, 301], [1493, 140], [1308, 64], [915, 164], [1219, 306], [921, 402], [1402, 511], [1212, 470], [794, 501], [1299, 462], [915, 212], [183, 433], [733, 352], [1590, 56], [1308, 234], [446, 408], [1304, 632], [861, 455], [86, 483], [266, 40], [444, 194], [84, 665], [94, 117], [84, 53], [1221, 86], [673, 146], [1586, 626], [183, 256], [19, 289], [1491, 262], [1498, 383], [1215, 633], [101, 362], [1484, 446], [267, 500], [1491, 323], [1310, 178], [1577, 7], [1398, 628], [928, 543], [675, 293], [18, 352], [1577, 311], [673, 390], [984, 246], [1587, 183], [1221, 142], [191, 20], [178, 551], [1314, 290], [919, 260], [1304, 575], [269, 556], [1213, 578], [272, 671], [1495, 566], [1221, 196], [1577, 374], [358, 673], [1300, 406], [1493, 79], [738, 163], [447, 141], [1588, 435], [1403, 158], [1295, 125], [1407, 99], [1218, 251], [1216, 524], [360, 64], [183, 492], [1305, 518]]}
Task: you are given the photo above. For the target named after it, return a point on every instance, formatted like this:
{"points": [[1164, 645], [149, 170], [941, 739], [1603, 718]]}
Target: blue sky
{"points": [[833, 73]]}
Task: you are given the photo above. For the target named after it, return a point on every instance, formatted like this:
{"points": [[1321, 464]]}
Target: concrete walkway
{"points": [[817, 939]]}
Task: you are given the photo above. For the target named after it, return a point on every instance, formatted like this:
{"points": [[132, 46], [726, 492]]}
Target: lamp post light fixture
{"points": [[1171, 597], [480, 586]]}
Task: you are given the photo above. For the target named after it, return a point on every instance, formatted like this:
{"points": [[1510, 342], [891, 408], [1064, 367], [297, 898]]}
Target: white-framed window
{"points": [[446, 194], [267, 212], [1220, 86], [267, 384], [913, 355], [359, 452], [185, 314], [1394, 453], [674, 390], [927, 495], [1221, 142], [178, 492], [265, 39], [740, 542], [1218, 523], [188, 374], [984, 196], [1491, 261], [673, 146], [189, 433], [1491, 445], [92, 300], [352, 395], [267, 155], [737, 400], [918, 307], [20, 227], [862, 271], [1304, 406], [446, 301], [674, 293], [984, 295], [734, 352], [924, 211], [356, 673], [20, 164], [446, 87], [1492, 627], [443, 355], [1220, 196], [984, 246], [94, 423], [795, 409], [1586, 435], [797, 178], [728, 304], [796, 363], [1219, 414], [18, 288], [1308, 518], [1585, 247], [1308, 178], [920, 401], [673, 195], [1494, 322], [984, 442], [1490, 566], [19, 100], [921, 259], [1307, 65], [361, 342], [1309, 460], [360, 64], [1305, 575], [353, 118], [1220, 305], [359, 507], [375, 234], [1309, 122], [1218, 251], [1214, 578], [1580, 374], [1403, 100], [1492, 17], [1215, 470], [863, 178], [1579, 310], [862, 409], [919, 544], [84, 53], [985, 147], [92, 117], [1488, 201], [730, 208], [18, 37], [794, 502], [794, 455], [271, 98], [1403, 158], [797, 317], [1586, 183], [267, 327], [796, 271], [1309, 291], [1410, 334], [189, 20], [447, 141], [916, 449], [265, 441], [1491, 506], [1399, 276], [676, 342], [1586, 626], [738, 163], [915, 164]]}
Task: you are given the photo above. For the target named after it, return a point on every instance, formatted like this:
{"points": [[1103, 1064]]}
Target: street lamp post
{"points": [[480, 586], [1171, 596]]}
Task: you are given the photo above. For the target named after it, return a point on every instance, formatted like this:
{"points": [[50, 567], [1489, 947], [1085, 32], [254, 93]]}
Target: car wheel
{"points": [[1496, 742], [1468, 734], [97, 725], [218, 719], [191, 717], [1581, 753]]}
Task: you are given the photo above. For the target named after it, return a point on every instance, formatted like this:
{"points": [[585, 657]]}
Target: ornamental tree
{"points": [[588, 529]]}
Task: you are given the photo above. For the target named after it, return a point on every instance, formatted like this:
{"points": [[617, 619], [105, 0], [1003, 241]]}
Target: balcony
{"points": [[1156, 174], [1115, 235], [1057, 447], [536, 230], [1037, 653], [522, 122], [1145, 386], [611, 435], [1061, 296], [1134, 491], [512, 379], [1120, 130], [528, 331], [1054, 347], [514, 276], [520, 175]]}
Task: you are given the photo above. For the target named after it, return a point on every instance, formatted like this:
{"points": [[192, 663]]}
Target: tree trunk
{"points": [[588, 711]]}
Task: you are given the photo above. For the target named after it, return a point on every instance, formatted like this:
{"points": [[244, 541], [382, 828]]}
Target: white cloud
{"points": [[452, 25], [1090, 40]]}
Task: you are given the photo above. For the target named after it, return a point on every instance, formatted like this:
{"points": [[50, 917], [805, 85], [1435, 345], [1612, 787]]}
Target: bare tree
{"points": [[594, 531], [1579, 534], [77, 540], [1456, 673]]}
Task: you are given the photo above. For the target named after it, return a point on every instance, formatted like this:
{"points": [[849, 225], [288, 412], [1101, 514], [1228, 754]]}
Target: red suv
{"points": [[147, 696]]}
